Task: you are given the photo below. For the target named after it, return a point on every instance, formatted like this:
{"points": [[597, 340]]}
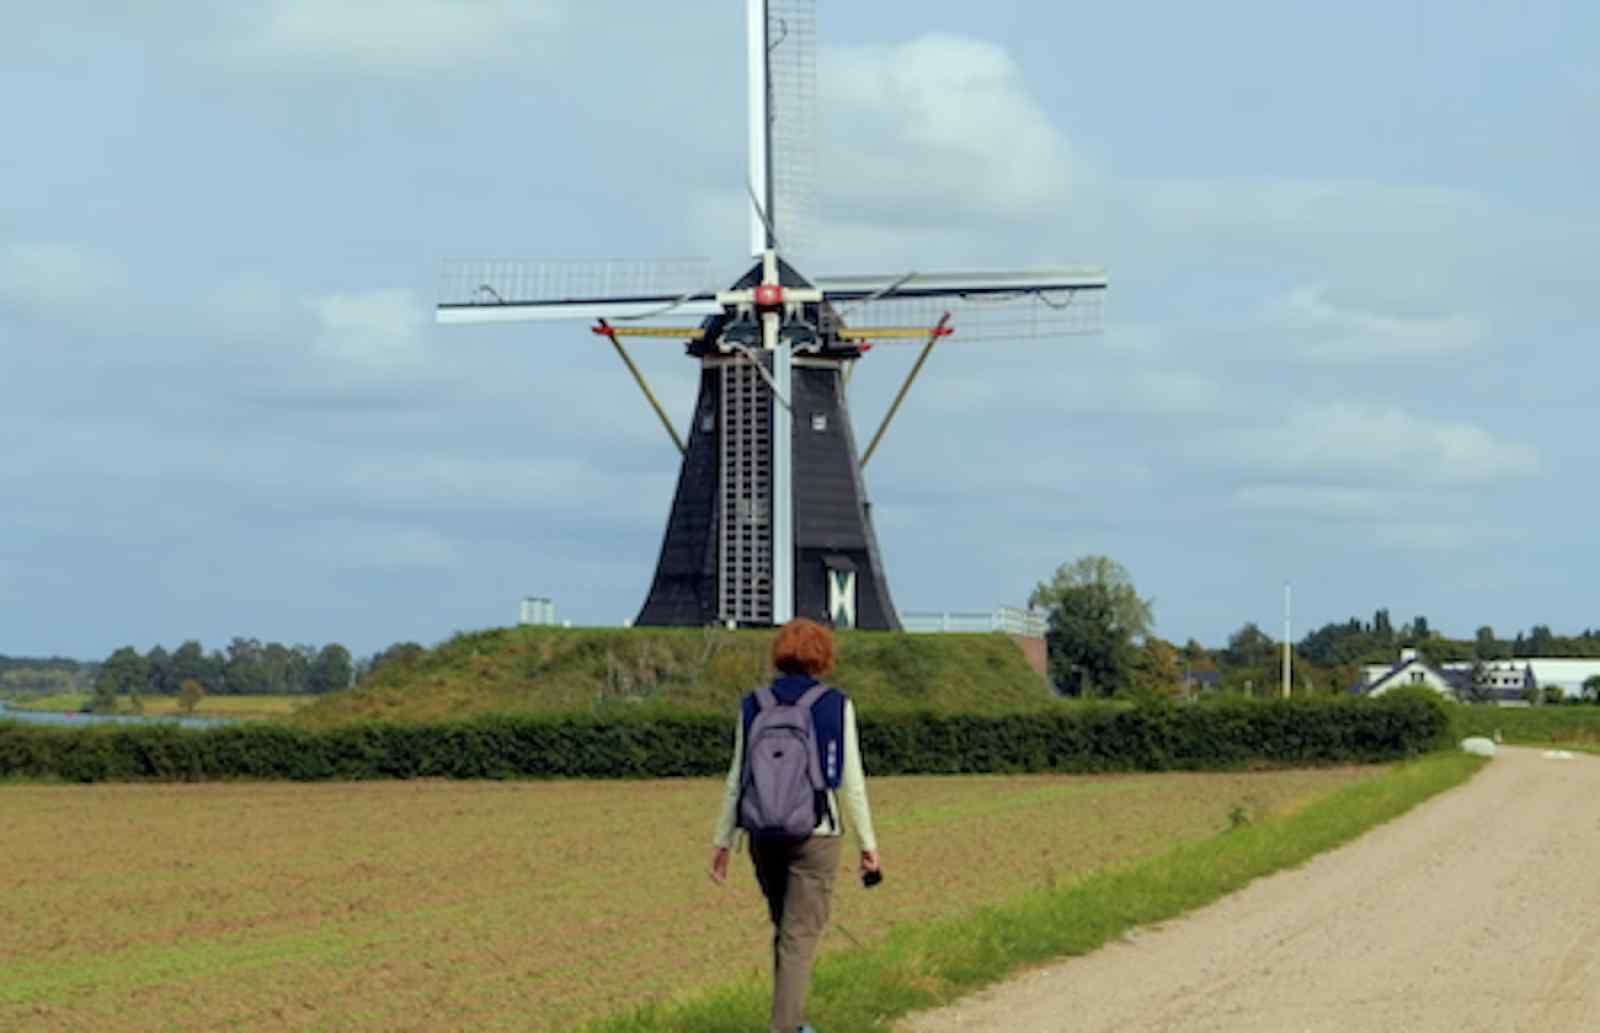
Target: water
{"points": [[42, 717]]}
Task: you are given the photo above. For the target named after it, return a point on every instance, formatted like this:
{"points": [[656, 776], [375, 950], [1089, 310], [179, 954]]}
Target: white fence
{"points": [[537, 610], [1009, 619]]}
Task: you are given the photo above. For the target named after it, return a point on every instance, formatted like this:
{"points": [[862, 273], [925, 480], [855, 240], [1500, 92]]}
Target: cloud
{"points": [[1405, 517], [1309, 326], [938, 130], [1287, 209], [390, 37], [1373, 443], [1049, 383], [541, 484], [1322, 500], [342, 545], [378, 330], [57, 280]]}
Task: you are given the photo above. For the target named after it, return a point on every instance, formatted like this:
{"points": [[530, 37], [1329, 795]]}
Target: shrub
{"points": [[663, 743]]}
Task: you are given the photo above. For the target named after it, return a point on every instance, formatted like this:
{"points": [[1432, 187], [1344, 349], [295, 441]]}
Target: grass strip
{"points": [[925, 966]]}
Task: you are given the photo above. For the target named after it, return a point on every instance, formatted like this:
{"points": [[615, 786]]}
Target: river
{"points": [[69, 720]]}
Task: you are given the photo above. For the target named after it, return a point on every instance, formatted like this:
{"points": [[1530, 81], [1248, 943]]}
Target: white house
{"points": [[1412, 670], [1506, 681]]}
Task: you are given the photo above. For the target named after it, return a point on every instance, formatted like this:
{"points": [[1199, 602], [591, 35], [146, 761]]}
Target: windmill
{"points": [[771, 519]]}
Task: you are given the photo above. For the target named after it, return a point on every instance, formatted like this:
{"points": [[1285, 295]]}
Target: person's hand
{"points": [[870, 862], [719, 864]]}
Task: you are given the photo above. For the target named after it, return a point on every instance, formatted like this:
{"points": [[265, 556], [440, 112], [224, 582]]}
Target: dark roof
{"points": [[1402, 665]]}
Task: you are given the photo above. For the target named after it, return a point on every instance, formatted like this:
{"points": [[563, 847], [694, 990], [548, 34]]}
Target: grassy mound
{"points": [[527, 670]]}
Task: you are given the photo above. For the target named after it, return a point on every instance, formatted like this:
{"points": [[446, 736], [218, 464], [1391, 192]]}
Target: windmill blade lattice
{"points": [[474, 290], [982, 305], [1022, 316], [792, 63]]}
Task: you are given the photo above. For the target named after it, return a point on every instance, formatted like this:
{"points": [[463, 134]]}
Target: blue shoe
{"points": [[806, 1029]]}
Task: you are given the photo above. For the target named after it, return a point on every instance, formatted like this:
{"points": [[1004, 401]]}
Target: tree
{"points": [[1096, 618], [160, 668], [1158, 670], [125, 672], [190, 661], [279, 666], [245, 671], [1591, 688], [399, 653], [1477, 687], [1250, 647], [332, 670], [190, 694]]}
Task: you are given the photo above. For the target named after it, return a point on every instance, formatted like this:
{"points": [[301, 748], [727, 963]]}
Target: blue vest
{"points": [[827, 715]]}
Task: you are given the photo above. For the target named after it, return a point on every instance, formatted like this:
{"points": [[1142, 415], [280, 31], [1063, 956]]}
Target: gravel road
{"points": [[1478, 912]]}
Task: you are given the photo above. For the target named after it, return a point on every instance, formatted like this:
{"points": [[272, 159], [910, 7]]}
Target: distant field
{"points": [[241, 707], [498, 906], [1567, 726]]}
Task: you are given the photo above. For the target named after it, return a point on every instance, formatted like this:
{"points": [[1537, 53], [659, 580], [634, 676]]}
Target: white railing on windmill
{"points": [[1009, 620], [774, 315]]}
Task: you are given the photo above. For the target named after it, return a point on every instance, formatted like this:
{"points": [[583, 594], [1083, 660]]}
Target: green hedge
{"points": [[1226, 735]]}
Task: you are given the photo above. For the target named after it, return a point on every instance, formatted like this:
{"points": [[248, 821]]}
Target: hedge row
{"points": [[1216, 736]]}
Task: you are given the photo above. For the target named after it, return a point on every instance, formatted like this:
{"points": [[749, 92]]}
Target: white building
{"points": [[537, 609], [1506, 681]]}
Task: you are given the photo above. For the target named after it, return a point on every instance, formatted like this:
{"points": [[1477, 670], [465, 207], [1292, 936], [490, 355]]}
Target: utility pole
{"points": [[1287, 648]]}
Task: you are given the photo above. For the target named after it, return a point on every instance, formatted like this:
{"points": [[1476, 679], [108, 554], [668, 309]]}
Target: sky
{"points": [[1348, 344]]}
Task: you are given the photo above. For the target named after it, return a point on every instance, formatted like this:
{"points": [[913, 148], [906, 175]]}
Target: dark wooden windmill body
{"points": [[771, 518], [716, 562]]}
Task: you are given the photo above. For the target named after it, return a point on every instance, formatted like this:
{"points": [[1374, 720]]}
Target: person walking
{"points": [[788, 802]]}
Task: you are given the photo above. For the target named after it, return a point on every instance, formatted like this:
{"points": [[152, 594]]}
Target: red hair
{"points": [[804, 647]]}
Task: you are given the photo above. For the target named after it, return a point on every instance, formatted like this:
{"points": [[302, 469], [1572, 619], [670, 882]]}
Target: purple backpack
{"points": [[781, 790]]}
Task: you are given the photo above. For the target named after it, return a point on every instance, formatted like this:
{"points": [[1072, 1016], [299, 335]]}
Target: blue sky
{"points": [[1348, 344]]}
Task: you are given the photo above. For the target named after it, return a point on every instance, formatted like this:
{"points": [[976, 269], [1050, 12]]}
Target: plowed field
{"points": [[496, 906]]}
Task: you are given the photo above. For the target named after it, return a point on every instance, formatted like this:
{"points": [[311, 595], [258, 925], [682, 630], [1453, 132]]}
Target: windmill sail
{"points": [[516, 290], [982, 305], [792, 117]]}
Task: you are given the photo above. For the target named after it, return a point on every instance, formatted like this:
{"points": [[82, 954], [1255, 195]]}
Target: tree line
{"points": [[246, 667], [1101, 643], [45, 676]]}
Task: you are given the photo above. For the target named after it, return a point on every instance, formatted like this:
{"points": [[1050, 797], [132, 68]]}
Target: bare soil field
{"points": [[497, 906], [1479, 912]]}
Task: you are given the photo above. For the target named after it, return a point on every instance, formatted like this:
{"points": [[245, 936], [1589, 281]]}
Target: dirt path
{"points": [[1477, 913]]}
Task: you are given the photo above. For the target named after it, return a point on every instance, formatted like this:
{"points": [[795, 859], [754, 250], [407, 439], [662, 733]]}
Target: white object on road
{"points": [[1557, 755], [1479, 745]]}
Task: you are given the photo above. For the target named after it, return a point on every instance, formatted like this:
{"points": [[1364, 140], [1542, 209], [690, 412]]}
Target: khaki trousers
{"points": [[796, 876]]}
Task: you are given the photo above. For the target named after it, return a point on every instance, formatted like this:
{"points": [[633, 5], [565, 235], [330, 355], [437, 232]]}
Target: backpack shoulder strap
{"points": [[765, 699], [811, 695]]}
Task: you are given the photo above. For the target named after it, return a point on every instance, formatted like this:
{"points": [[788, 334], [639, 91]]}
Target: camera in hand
{"points": [[871, 879]]}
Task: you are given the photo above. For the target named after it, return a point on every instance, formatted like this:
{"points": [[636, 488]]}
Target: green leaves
{"points": [[1095, 619], [662, 744]]}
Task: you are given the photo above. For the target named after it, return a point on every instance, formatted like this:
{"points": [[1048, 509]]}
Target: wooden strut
{"points": [[606, 330], [772, 385], [943, 329]]}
